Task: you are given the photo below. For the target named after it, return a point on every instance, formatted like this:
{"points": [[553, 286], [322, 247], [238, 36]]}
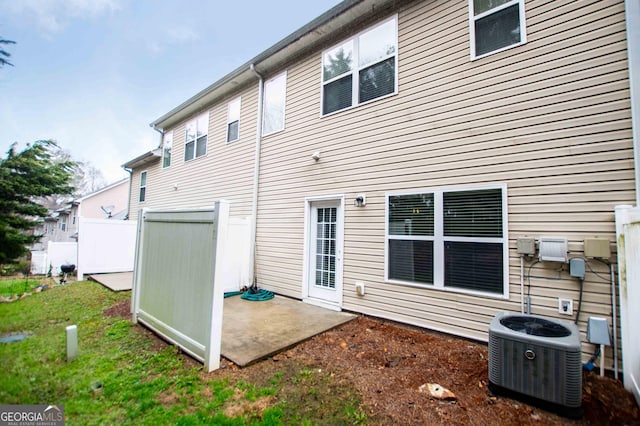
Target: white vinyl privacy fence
{"points": [[628, 239], [39, 262], [179, 280], [105, 245], [61, 254]]}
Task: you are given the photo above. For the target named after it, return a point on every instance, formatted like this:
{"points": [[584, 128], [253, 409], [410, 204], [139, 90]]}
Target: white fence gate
{"points": [[628, 238], [39, 262], [179, 282], [236, 274], [61, 254], [105, 245]]}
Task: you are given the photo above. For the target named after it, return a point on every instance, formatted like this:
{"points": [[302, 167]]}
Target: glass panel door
{"points": [[324, 254]]}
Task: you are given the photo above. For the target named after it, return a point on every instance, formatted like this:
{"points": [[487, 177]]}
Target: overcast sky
{"points": [[92, 74]]}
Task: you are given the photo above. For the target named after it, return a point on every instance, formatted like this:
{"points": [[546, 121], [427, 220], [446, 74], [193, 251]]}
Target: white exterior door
{"points": [[324, 253]]}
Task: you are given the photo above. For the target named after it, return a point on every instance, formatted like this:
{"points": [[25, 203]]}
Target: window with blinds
{"points": [[496, 25], [195, 139], [360, 69], [167, 144], [233, 120], [453, 239]]}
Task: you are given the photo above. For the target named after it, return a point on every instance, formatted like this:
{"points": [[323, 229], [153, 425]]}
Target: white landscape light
{"points": [[72, 342]]}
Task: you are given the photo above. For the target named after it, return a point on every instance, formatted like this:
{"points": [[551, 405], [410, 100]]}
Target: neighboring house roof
{"points": [[103, 189], [346, 14], [144, 159]]}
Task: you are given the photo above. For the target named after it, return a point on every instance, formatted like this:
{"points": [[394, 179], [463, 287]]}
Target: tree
{"points": [[4, 54], [24, 177], [85, 180]]}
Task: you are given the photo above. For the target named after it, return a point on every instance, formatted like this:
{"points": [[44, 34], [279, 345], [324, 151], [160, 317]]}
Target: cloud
{"points": [[52, 16], [174, 36], [181, 35]]}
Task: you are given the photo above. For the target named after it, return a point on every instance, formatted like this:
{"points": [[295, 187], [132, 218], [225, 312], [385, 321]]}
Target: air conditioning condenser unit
{"points": [[538, 360]]}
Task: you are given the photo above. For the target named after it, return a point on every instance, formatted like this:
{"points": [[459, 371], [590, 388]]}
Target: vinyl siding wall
{"points": [[225, 172], [550, 119]]}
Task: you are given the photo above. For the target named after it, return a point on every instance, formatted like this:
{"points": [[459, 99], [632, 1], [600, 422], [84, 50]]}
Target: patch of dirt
{"points": [[122, 310], [241, 407]]}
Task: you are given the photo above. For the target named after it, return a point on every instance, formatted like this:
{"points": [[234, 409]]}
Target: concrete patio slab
{"points": [[255, 330], [119, 281]]}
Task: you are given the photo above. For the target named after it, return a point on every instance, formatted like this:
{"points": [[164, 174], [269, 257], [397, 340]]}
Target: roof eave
{"points": [[334, 20], [144, 159]]}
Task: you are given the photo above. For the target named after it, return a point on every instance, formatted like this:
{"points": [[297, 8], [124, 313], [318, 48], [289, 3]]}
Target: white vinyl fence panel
{"points": [[62, 254], [105, 245], [236, 273], [628, 238], [39, 262], [179, 277]]}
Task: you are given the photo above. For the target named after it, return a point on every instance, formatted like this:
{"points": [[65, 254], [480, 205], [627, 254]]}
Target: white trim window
{"points": [[63, 223], [233, 120], [195, 140], [275, 94], [496, 25], [361, 69], [143, 186], [167, 144], [450, 239]]}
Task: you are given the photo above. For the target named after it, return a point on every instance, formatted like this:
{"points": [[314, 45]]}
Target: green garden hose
{"points": [[252, 295]]}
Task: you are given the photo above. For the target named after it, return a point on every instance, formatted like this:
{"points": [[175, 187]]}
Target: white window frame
{"points": [[265, 105], [63, 223], [141, 187], [472, 27], [355, 72], [230, 120], [167, 145], [439, 239], [195, 141]]}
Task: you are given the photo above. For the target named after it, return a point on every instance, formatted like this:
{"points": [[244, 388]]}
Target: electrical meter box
{"points": [[576, 268], [526, 246], [553, 249], [597, 247]]}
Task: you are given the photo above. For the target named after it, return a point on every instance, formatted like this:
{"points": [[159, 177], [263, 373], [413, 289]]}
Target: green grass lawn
{"points": [[11, 286], [121, 377]]}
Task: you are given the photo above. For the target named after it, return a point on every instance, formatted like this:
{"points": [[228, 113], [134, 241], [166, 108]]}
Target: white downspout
{"points": [[256, 175], [632, 11]]}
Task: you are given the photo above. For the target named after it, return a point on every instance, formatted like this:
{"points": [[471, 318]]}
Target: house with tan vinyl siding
{"points": [[392, 153]]}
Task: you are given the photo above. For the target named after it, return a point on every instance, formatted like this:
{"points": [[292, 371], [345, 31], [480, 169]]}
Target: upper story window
{"points": [[195, 140], [275, 93], [143, 186], [361, 69], [449, 239], [233, 120], [63, 223], [167, 144], [495, 25]]}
